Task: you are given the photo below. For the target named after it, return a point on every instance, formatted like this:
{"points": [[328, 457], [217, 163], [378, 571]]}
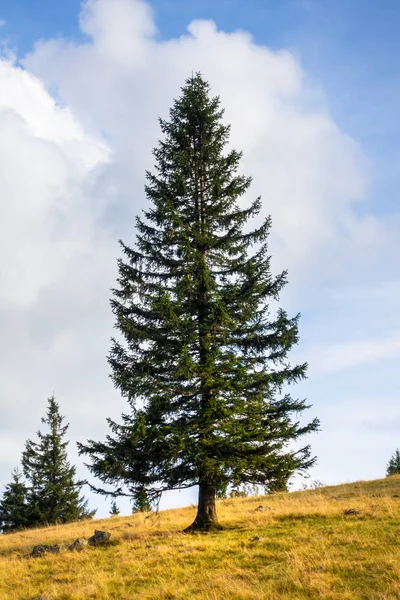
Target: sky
{"points": [[311, 89]]}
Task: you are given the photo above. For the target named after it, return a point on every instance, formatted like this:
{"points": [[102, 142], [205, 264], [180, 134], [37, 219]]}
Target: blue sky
{"points": [[313, 101]]}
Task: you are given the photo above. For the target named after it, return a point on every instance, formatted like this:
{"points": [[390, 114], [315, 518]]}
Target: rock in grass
{"points": [[261, 508], [42, 549], [99, 537], [78, 545]]}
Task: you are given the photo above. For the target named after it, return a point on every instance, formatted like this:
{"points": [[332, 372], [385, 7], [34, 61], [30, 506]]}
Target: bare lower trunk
{"points": [[206, 518]]}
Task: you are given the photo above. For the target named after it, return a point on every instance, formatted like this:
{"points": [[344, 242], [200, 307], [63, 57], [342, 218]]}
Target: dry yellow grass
{"points": [[309, 549]]}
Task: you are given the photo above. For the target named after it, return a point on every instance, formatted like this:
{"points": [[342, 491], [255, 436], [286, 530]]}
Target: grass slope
{"points": [[309, 549]]}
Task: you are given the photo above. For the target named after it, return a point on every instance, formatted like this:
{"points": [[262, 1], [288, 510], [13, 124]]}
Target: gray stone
{"points": [[42, 549], [99, 537], [261, 508], [79, 545]]}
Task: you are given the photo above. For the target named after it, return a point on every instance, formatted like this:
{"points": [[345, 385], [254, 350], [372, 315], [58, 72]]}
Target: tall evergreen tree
{"points": [[203, 360], [393, 466], [54, 494], [14, 511]]}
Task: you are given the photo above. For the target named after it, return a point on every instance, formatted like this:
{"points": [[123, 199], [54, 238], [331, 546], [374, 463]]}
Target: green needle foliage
{"points": [[141, 502], [54, 495], [114, 511], [13, 506], [393, 466], [203, 357]]}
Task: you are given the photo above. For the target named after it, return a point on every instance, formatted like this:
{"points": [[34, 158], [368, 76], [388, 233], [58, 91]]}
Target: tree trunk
{"points": [[206, 518]]}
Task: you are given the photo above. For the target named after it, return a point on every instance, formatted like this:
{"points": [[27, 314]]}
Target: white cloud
{"points": [[119, 29], [307, 170], [54, 257], [351, 354], [72, 176], [45, 158]]}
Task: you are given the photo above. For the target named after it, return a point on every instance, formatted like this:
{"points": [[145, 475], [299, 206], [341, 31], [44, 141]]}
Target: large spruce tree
{"points": [[54, 493], [203, 357], [14, 510]]}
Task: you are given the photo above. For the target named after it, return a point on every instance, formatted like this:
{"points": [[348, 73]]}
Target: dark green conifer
{"points": [[141, 502], [203, 360], [114, 510], [14, 511], [54, 494], [393, 466]]}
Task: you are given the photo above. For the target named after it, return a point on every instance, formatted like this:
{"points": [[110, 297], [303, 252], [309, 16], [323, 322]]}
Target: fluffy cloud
{"points": [[54, 258], [307, 170], [78, 125], [46, 159]]}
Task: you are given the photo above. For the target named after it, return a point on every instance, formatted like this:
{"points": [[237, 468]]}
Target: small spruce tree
{"points": [[114, 510], [393, 466], [203, 359], [280, 485], [54, 494], [14, 511], [141, 502]]}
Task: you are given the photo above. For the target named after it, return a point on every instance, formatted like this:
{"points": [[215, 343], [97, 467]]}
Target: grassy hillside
{"points": [[308, 548]]}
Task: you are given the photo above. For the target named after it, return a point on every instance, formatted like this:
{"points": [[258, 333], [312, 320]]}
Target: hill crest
{"points": [[296, 545]]}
